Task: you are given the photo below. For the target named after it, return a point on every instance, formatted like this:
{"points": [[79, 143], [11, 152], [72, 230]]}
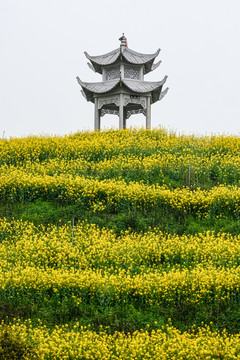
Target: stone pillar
{"points": [[124, 118], [148, 114], [96, 116], [121, 112], [124, 122]]}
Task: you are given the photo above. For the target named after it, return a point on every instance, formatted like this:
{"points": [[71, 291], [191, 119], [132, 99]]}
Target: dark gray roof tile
{"points": [[143, 86], [138, 87], [129, 55], [105, 59]]}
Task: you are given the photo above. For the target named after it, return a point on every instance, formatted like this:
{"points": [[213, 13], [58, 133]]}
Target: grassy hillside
{"points": [[117, 239]]}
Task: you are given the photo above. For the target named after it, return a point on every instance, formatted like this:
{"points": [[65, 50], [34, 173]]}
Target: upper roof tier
{"points": [[124, 52]]}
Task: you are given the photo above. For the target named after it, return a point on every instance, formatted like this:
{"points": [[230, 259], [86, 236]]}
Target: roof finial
{"points": [[123, 40]]}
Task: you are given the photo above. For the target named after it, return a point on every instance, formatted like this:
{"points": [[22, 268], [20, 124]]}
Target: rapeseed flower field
{"points": [[120, 245]]}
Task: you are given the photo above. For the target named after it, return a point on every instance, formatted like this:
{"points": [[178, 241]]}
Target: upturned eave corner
{"points": [[91, 66], [87, 55], [84, 95], [156, 65], [164, 79], [158, 52], [163, 93]]}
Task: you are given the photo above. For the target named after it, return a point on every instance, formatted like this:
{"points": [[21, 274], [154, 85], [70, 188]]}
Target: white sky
{"points": [[42, 44]]}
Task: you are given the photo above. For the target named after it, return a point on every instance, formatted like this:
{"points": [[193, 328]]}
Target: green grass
{"points": [[59, 309]]}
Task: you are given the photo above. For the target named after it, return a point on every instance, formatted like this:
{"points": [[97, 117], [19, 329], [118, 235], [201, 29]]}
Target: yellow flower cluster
{"points": [[118, 166], [115, 153], [114, 142], [153, 267], [121, 171], [103, 171], [26, 245], [199, 285], [169, 343], [17, 185]]}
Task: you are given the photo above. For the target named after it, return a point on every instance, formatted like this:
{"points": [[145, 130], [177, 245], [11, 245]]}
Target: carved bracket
{"points": [[132, 112], [107, 111], [106, 101], [132, 100]]}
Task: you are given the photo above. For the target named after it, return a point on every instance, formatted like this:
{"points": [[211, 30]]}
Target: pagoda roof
{"points": [[138, 87], [129, 55]]}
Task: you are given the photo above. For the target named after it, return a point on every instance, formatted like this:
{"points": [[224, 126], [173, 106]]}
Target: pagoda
{"points": [[123, 91]]}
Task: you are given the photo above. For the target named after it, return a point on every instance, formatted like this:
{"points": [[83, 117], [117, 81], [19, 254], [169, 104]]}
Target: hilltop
{"points": [[128, 237], [123, 179]]}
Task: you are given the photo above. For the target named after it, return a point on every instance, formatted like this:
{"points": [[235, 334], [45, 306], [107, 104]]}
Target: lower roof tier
{"points": [[137, 87]]}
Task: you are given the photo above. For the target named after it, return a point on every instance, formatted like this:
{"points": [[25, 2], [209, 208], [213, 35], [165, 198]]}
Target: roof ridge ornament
{"points": [[123, 40]]}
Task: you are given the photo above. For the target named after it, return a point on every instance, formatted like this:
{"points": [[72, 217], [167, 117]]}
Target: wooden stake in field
{"points": [[72, 229]]}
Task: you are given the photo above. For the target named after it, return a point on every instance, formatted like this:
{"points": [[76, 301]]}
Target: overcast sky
{"points": [[42, 44]]}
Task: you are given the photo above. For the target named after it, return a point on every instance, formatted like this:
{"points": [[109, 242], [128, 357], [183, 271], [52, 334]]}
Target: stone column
{"points": [[124, 118], [96, 116], [148, 115], [121, 113], [124, 122]]}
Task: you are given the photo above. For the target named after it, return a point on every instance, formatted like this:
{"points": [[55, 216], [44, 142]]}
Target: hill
{"points": [[125, 237]]}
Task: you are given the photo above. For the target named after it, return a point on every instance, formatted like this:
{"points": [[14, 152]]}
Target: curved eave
{"points": [[129, 55], [143, 87], [136, 58], [103, 60], [91, 66], [155, 66], [137, 87], [163, 93], [89, 89]]}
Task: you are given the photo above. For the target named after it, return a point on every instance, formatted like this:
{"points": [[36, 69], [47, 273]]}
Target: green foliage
{"points": [[147, 158], [14, 347]]}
